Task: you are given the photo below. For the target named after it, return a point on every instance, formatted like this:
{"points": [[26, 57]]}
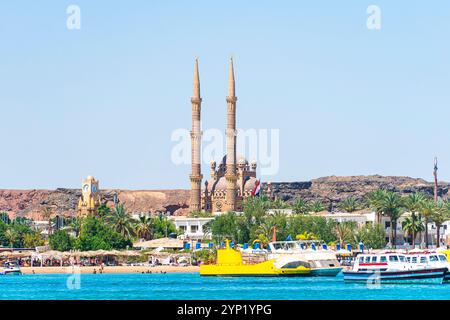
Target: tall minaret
{"points": [[230, 175], [196, 174]]}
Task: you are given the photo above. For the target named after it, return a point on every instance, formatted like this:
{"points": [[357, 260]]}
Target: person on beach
{"points": [[95, 271]]}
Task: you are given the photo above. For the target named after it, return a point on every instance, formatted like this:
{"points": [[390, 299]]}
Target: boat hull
{"points": [[408, 276], [325, 272], [11, 273], [264, 269]]}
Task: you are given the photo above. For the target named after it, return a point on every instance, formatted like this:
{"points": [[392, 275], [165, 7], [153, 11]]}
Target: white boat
{"points": [[429, 259], [11, 268], [391, 267], [321, 260]]}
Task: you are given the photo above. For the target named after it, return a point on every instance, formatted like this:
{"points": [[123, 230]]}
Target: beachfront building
{"points": [[234, 178], [90, 197], [192, 228]]}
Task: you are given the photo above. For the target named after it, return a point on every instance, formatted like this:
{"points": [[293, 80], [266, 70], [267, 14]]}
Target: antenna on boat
{"points": [[435, 179]]}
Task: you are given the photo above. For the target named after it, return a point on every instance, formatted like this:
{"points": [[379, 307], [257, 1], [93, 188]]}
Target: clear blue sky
{"points": [[105, 99]]}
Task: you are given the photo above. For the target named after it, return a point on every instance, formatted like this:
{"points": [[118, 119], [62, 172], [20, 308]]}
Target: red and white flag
{"points": [[257, 188]]}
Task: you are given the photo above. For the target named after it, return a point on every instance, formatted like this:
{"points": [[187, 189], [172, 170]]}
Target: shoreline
{"points": [[110, 269]]}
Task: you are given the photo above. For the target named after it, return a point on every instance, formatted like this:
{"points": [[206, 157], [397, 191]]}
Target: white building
{"points": [[192, 227]]}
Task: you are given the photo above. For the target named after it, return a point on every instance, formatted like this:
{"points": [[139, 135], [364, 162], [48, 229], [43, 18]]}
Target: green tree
{"points": [[120, 221], [225, 226], [345, 231], [4, 217], [74, 225], [413, 203], [317, 206], [33, 240], [103, 211], [61, 241], [439, 216], [95, 234], [300, 206], [375, 202], [163, 227], [349, 204], [372, 235], [427, 210], [391, 205], [144, 227], [10, 236], [412, 226]]}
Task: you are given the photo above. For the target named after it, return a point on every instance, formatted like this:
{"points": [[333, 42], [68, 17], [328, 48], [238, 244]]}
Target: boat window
{"points": [[383, 259], [295, 264], [374, 259], [393, 258], [423, 259], [442, 258], [361, 259], [414, 259], [408, 259], [367, 260], [402, 258], [434, 258]]}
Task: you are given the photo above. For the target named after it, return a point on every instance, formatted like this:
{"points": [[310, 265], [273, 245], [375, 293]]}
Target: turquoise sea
{"points": [[192, 286]]}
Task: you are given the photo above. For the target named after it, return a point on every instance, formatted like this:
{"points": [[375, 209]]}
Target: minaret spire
{"points": [[230, 175], [196, 175], [196, 82], [231, 84]]}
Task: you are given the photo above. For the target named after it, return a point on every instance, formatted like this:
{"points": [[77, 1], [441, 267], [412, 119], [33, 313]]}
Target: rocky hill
{"points": [[330, 190], [31, 203]]}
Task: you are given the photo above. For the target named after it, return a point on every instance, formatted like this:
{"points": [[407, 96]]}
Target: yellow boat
{"points": [[229, 263]]}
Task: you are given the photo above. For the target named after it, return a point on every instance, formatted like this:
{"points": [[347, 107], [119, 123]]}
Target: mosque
{"points": [[234, 179]]}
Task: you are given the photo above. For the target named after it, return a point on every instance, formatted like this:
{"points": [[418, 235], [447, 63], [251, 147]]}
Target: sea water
{"points": [[192, 286]]}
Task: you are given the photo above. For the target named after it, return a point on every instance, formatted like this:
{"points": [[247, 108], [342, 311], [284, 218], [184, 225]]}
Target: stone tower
{"points": [[90, 197], [196, 175], [230, 175]]}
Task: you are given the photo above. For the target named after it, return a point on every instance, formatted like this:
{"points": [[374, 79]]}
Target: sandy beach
{"points": [[115, 269]]}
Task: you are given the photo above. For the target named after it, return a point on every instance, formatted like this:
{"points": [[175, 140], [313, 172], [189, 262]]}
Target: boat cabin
{"points": [[380, 262]]}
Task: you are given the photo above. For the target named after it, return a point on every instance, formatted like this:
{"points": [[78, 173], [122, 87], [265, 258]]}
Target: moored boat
{"points": [[391, 267], [11, 268], [316, 255], [230, 264], [430, 259]]}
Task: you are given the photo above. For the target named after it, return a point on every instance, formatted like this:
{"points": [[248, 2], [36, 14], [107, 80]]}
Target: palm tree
{"points": [[427, 210], [412, 226], [391, 205], [279, 204], [144, 227], [344, 230], [300, 206], [374, 199], [75, 225], [11, 236], [317, 206], [413, 204], [439, 216], [121, 221], [350, 204]]}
